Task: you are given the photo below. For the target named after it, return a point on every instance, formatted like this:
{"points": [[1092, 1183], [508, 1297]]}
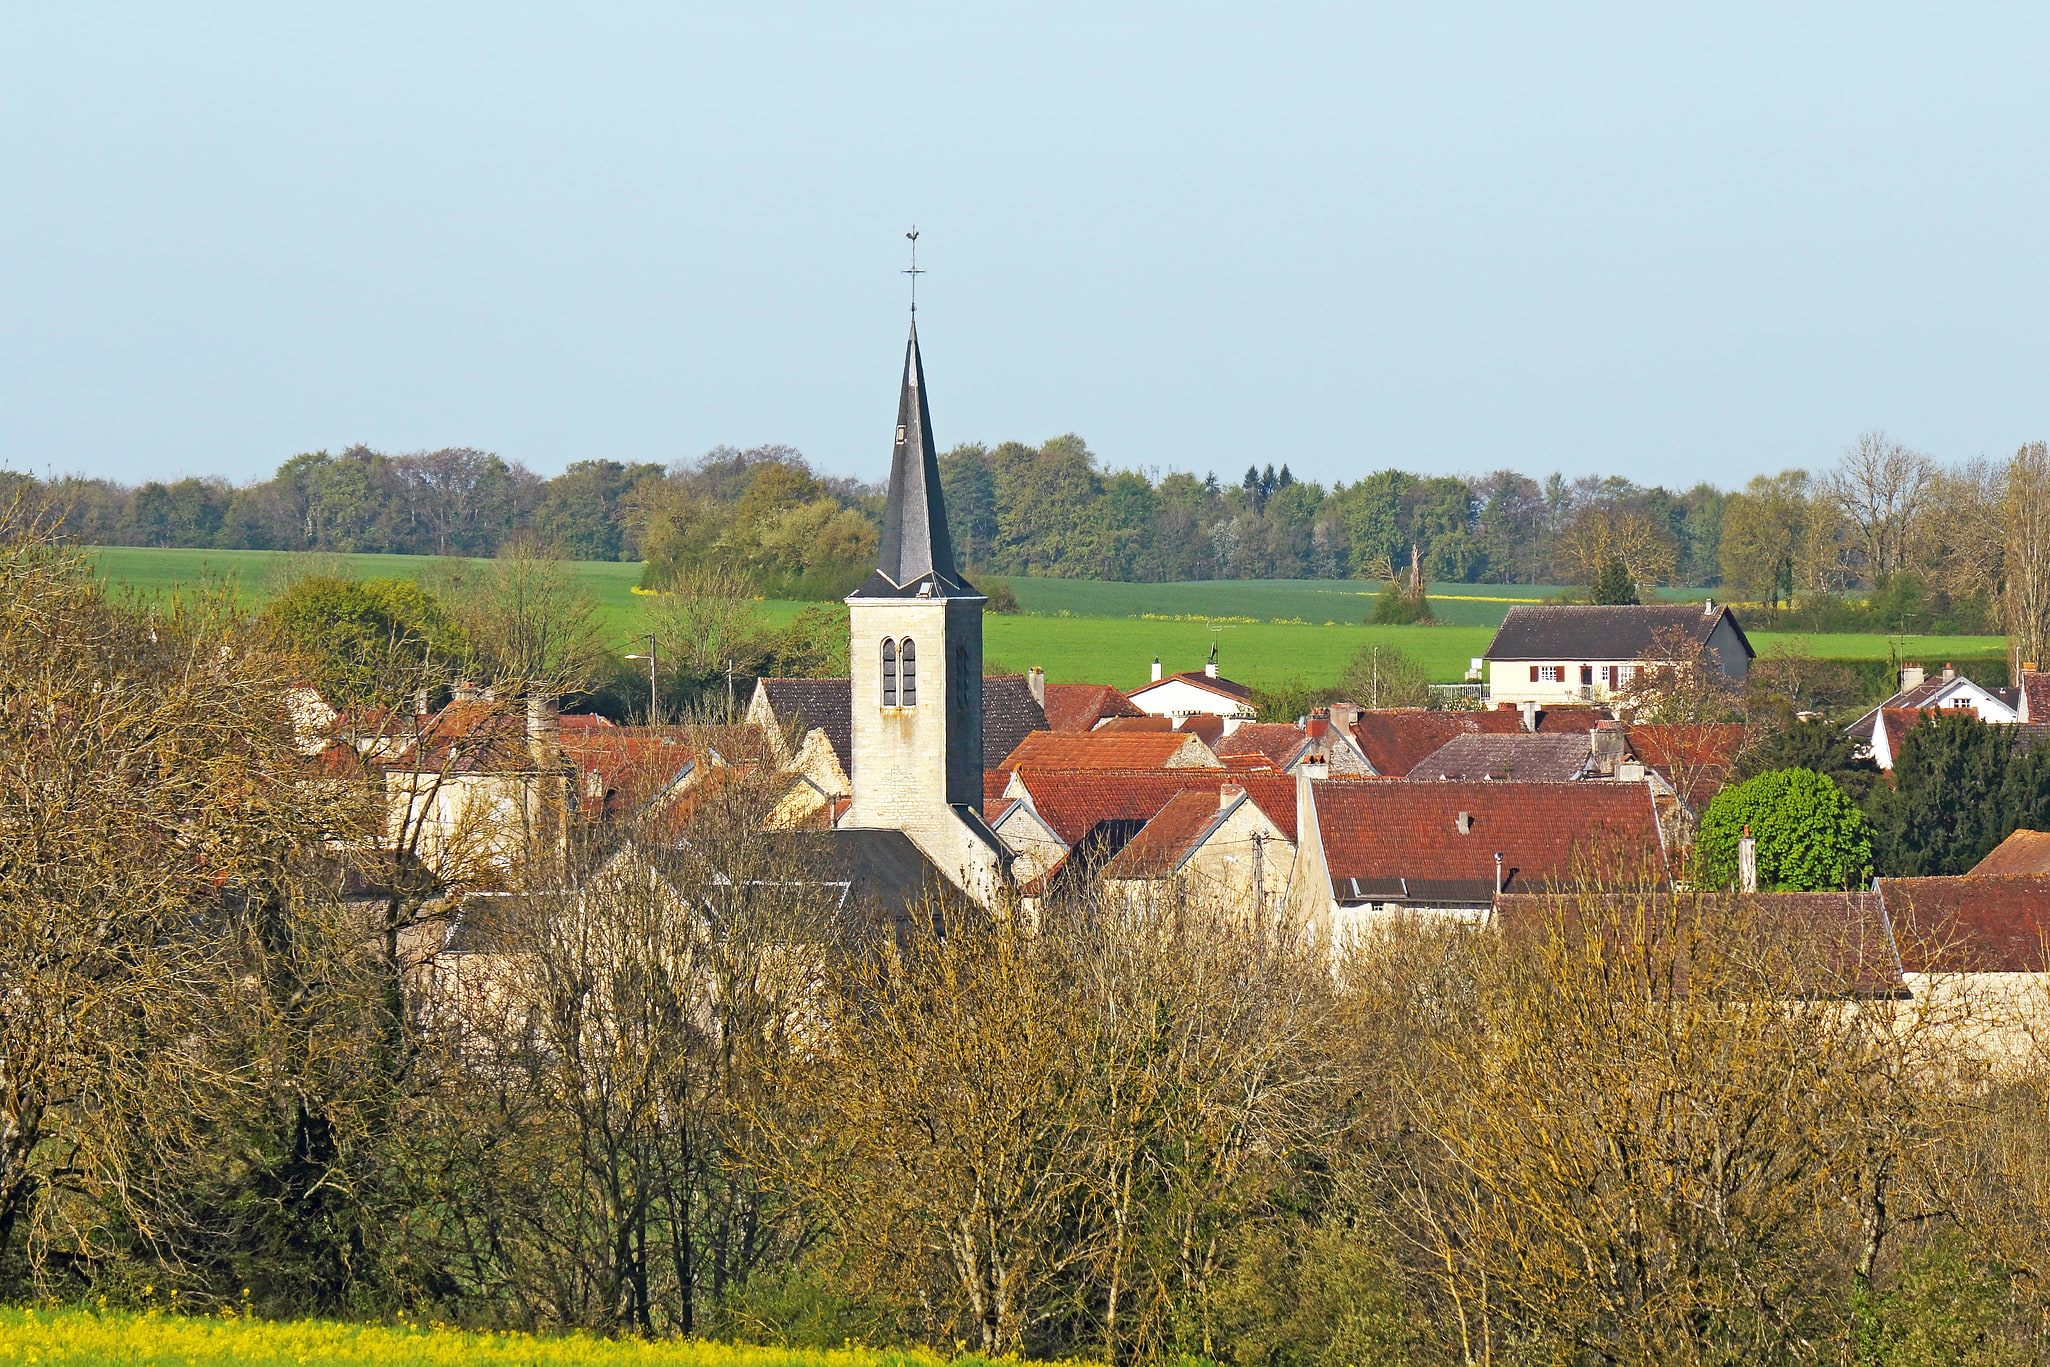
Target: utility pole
{"points": [[654, 698], [1377, 678], [729, 692]]}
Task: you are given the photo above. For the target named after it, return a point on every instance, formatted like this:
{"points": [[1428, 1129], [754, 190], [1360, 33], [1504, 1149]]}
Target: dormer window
{"points": [[909, 655], [889, 672]]}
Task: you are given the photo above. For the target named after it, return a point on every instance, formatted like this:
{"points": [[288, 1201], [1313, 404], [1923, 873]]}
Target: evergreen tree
{"points": [[1959, 788], [1614, 584]]}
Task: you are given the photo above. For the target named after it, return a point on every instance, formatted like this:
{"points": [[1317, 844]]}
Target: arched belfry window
{"points": [[909, 655], [889, 672]]}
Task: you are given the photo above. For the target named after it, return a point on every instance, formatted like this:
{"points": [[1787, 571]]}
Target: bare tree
{"points": [[1603, 533], [1881, 489]]}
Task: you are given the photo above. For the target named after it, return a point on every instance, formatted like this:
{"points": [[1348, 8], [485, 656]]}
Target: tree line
{"points": [[1910, 531]]}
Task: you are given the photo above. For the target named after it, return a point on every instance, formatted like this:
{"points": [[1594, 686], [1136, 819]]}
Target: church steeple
{"points": [[914, 546]]}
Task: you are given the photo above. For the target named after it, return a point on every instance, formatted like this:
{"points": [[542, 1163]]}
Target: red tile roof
{"points": [[2035, 695], [1393, 739], [1279, 742], [1112, 750], [1172, 835], [1704, 753], [1073, 804], [1208, 726], [1403, 840], [1143, 723], [1969, 925], [1079, 707], [1898, 721], [2021, 852]]}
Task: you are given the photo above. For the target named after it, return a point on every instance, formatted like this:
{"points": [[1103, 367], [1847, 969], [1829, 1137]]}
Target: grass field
{"points": [[62, 1338], [1267, 632]]}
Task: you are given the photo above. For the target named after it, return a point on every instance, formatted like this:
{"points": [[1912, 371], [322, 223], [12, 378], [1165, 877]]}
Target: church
{"points": [[911, 719]]}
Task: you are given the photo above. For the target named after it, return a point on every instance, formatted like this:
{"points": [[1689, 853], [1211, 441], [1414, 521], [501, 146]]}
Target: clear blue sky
{"points": [[1628, 239]]}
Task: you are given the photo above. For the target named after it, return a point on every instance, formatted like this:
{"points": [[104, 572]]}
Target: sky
{"points": [[1669, 243]]}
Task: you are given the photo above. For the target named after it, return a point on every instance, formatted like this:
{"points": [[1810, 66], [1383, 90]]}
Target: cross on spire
{"points": [[914, 272]]}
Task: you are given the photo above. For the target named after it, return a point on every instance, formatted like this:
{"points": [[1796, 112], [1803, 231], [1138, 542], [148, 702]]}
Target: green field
{"points": [[1267, 632], [82, 1338]]}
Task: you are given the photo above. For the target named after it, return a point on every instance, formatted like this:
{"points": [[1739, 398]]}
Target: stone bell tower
{"points": [[915, 660]]}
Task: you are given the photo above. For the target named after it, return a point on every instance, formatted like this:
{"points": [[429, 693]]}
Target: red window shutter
{"points": [[1533, 673]]}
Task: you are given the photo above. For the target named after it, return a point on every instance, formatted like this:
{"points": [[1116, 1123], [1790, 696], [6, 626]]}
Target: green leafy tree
{"points": [[1959, 788], [1613, 584], [1811, 836], [351, 635]]}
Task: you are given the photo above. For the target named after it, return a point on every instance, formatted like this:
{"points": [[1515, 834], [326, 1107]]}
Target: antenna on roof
{"points": [[914, 272]]}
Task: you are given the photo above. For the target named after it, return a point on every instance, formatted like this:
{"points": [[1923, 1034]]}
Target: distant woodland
{"points": [[1883, 519]]}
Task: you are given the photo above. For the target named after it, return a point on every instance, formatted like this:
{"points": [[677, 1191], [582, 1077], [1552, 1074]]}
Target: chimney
{"points": [[1498, 873], [1529, 710], [420, 703], [1156, 669], [1036, 681], [467, 691], [1317, 727], [1314, 769], [1229, 793], [1747, 862], [1344, 714], [1708, 607], [541, 720], [1464, 822], [1912, 677], [1605, 742], [1210, 669], [1949, 672]]}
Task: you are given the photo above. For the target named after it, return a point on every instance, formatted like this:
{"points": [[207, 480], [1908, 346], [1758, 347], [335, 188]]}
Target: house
{"points": [[1880, 731], [1369, 852], [1232, 850], [1201, 692], [1069, 821], [1532, 759], [1319, 739], [2023, 852], [1549, 655], [1831, 946], [1975, 952]]}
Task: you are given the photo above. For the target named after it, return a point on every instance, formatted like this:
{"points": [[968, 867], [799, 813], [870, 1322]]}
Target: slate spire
{"points": [[914, 545]]}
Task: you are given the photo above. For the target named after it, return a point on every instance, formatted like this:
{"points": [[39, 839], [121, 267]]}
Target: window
{"points": [[1587, 676], [1548, 673], [909, 656], [889, 672]]}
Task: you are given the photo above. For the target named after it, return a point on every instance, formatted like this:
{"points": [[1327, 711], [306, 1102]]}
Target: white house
{"points": [[1551, 655], [1196, 693]]}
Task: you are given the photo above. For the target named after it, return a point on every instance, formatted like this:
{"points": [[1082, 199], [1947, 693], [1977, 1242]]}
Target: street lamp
{"points": [[650, 658]]}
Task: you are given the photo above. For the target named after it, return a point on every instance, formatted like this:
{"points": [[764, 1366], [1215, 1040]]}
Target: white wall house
{"points": [[1586, 654], [1196, 693]]}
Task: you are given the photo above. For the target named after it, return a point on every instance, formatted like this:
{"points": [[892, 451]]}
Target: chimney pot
{"points": [[467, 691], [1036, 681]]}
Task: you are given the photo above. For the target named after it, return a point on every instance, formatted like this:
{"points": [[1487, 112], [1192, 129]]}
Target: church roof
{"points": [[914, 554]]}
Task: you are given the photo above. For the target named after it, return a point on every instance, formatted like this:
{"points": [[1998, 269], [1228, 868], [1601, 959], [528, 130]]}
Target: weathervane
{"points": [[914, 272]]}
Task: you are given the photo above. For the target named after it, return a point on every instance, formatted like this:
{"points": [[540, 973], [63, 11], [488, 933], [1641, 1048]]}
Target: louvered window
{"points": [[889, 672], [910, 672]]}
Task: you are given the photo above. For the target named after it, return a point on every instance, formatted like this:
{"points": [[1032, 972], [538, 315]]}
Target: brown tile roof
{"points": [[1969, 925], [1074, 804], [617, 770], [1113, 750], [2035, 695], [1204, 725], [1249, 764], [1593, 632], [1079, 707], [1279, 742], [1840, 941], [1533, 758], [1393, 739], [1898, 721], [2022, 852], [1402, 841]]}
